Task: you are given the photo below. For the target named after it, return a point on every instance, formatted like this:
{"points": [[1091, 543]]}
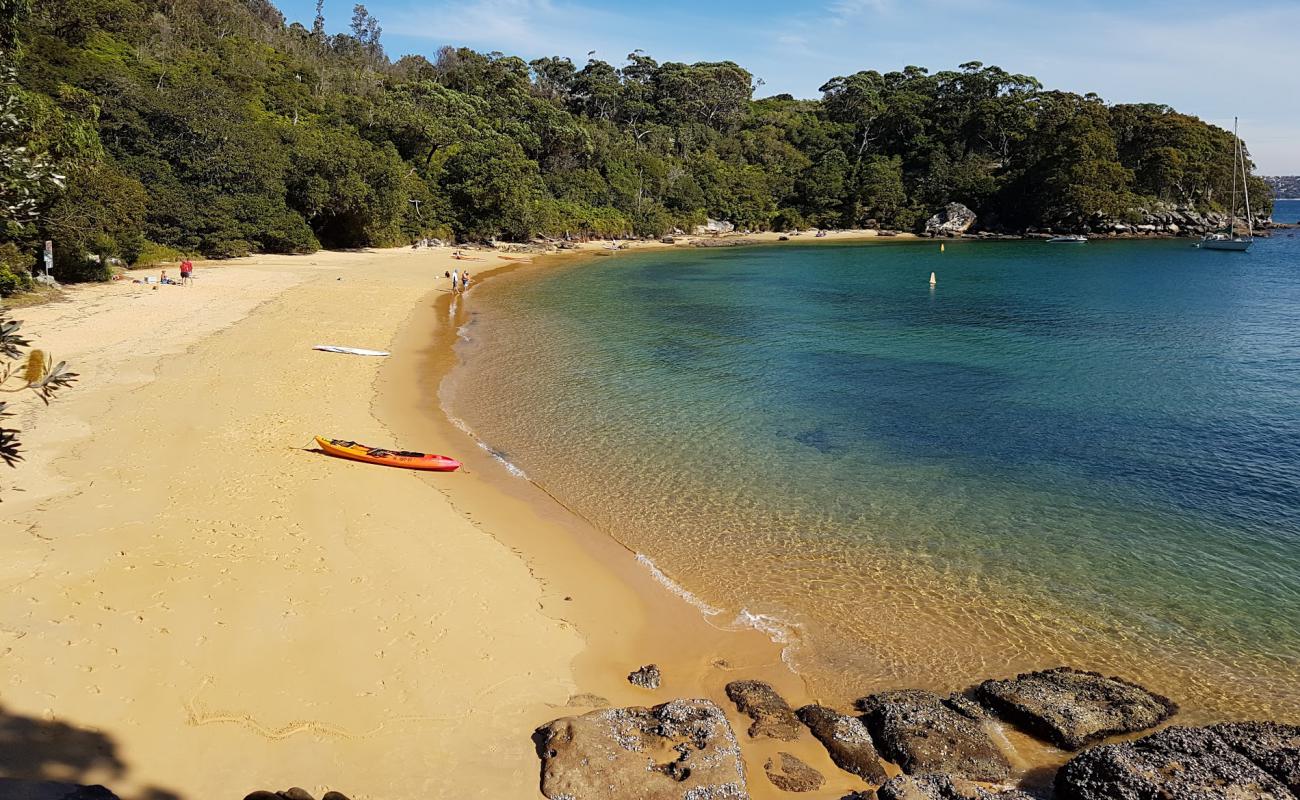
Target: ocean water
{"points": [[1082, 454]]}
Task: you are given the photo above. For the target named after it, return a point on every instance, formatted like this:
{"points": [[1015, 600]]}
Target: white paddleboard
{"points": [[354, 351]]}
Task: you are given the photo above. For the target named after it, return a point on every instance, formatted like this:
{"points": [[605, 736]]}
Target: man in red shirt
{"points": [[187, 270]]}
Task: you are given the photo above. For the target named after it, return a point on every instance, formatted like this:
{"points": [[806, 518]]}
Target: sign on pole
{"points": [[49, 256]]}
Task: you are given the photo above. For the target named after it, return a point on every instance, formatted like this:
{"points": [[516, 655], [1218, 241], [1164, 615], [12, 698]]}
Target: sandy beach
{"points": [[198, 604]]}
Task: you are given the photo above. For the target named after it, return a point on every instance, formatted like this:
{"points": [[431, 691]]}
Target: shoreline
{"points": [[1196, 710]]}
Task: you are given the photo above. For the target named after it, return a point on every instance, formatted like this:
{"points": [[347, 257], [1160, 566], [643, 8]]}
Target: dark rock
{"points": [[263, 795], [771, 714], [647, 677], [296, 793], [94, 792], [943, 787], [334, 796], [794, 776], [668, 240], [24, 789], [621, 752], [1272, 746], [1176, 763], [1072, 708], [921, 733], [846, 740], [954, 220]]}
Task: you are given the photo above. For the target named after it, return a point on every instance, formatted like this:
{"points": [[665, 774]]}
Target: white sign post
{"points": [[49, 264]]}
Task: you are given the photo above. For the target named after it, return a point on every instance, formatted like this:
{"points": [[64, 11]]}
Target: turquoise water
{"points": [[1061, 453]]}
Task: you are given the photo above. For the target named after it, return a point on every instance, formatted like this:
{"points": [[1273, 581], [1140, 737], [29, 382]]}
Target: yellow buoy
{"points": [[940, 247]]}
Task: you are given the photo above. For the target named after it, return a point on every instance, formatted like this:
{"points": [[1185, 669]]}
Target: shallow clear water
{"points": [[1084, 454]]}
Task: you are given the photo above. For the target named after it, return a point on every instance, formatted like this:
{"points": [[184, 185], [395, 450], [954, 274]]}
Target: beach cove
{"points": [[199, 605]]}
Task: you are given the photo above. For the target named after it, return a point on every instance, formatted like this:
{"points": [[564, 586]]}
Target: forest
{"points": [[140, 130]]}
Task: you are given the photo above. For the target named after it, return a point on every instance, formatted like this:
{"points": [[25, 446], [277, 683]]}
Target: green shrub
{"points": [[15, 270], [153, 253], [227, 248]]}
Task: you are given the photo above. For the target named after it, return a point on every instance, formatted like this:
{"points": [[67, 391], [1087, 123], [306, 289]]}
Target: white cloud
{"points": [[524, 27], [844, 10]]}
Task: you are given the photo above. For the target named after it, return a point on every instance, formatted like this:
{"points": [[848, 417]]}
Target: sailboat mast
{"points": [[1245, 185], [1236, 154]]}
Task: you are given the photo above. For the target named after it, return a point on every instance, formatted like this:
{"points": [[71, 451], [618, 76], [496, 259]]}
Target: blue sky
{"points": [[1214, 60]]}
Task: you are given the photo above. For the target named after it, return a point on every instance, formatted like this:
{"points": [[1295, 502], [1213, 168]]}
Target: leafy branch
{"points": [[33, 371]]}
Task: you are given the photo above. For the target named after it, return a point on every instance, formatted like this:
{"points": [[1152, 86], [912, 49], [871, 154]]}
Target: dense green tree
{"points": [[212, 126]]}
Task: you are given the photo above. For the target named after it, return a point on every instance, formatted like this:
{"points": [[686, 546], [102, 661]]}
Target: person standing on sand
{"points": [[455, 280], [187, 272], [464, 281]]}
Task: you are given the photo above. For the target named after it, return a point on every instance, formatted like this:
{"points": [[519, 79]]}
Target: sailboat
{"points": [[1230, 240]]}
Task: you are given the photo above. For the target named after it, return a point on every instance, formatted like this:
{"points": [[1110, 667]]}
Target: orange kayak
{"points": [[389, 458]]}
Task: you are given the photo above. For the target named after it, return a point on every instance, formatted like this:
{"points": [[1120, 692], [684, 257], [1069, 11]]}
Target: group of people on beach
{"points": [[459, 280]]}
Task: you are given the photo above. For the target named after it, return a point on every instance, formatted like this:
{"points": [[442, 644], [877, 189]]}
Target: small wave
{"points": [[777, 629], [675, 587], [462, 332], [497, 455]]}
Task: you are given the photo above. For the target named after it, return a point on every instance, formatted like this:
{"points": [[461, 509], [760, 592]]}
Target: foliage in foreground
{"points": [[23, 370], [211, 126]]}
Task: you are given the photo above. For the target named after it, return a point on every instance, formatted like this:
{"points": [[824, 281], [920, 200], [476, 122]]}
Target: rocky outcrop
{"points": [[846, 741], [943, 787], [922, 732], [646, 677], [793, 775], [722, 242], [681, 750], [1271, 746], [1187, 764], [771, 714], [714, 226], [1072, 708], [954, 220]]}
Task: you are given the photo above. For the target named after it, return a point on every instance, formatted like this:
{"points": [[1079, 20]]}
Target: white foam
{"points": [[462, 332], [496, 455], [675, 587], [777, 629]]}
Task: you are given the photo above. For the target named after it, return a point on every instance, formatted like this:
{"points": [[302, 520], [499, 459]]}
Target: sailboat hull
{"points": [[1234, 245]]}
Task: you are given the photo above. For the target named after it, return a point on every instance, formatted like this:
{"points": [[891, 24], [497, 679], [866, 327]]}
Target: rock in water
{"points": [[954, 220], [846, 740], [681, 750], [920, 732], [1272, 746], [943, 787], [1072, 708], [794, 776], [1176, 763], [771, 714], [647, 677]]}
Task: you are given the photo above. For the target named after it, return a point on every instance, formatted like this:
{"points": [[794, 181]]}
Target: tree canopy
{"points": [[215, 127]]}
